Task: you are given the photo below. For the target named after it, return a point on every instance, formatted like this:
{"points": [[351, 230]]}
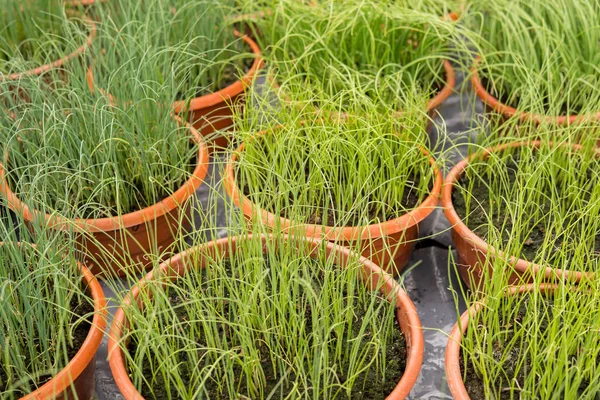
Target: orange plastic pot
{"points": [[389, 244], [508, 112], [372, 276], [77, 380], [119, 245], [60, 62], [452, 361], [475, 256]]}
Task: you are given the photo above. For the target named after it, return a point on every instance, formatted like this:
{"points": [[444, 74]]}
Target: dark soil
{"points": [[82, 310], [478, 217], [517, 355], [372, 387]]}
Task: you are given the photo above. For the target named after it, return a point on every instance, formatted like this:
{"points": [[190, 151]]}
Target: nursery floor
{"points": [[429, 278]]}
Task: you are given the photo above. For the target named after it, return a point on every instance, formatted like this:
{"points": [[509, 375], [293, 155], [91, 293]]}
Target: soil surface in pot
{"points": [[83, 311], [330, 216], [516, 359], [478, 218], [373, 388]]}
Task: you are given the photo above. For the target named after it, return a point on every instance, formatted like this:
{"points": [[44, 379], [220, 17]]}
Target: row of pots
{"points": [[76, 380], [388, 244], [211, 112]]}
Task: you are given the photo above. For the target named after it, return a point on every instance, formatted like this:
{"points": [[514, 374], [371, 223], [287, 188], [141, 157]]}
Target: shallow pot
{"points": [[388, 244], [372, 276], [475, 256], [120, 245], [214, 112]]}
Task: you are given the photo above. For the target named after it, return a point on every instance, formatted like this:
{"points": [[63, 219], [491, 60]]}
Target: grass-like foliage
{"points": [[36, 32], [45, 311], [386, 50], [540, 204], [188, 47], [540, 56], [334, 169], [277, 324], [541, 344], [91, 156]]}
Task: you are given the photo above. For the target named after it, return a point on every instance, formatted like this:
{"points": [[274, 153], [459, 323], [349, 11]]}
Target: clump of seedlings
{"points": [[334, 169], [535, 200], [262, 321], [535, 341], [46, 312], [86, 155], [390, 51], [37, 32], [539, 56], [188, 47]]}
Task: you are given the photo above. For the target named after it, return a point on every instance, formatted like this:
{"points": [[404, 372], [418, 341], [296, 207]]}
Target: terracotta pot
{"points": [[388, 244], [60, 62], [475, 256], [507, 112], [120, 245], [452, 362], [372, 276], [77, 380]]}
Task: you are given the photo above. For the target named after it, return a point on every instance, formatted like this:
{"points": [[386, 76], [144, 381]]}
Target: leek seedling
{"points": [[540, 56], [186, 46], [36, 32], [540, 204], [391, 52], [335, 169], [45, 314], [542, 344], [266, 322], [90, 156]]}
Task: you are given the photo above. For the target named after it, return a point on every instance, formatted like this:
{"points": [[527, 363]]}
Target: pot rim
{"points": [[86, 353], [389, 227], [524, 116], [126, 220], [448, 88], [452, 356], [61, 61], [460, 228], [372, 275]]}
